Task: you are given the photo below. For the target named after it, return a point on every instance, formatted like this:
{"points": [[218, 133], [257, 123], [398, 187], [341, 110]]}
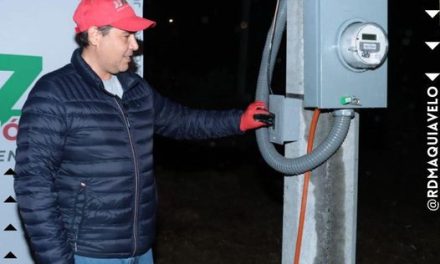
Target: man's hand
{"points": [[255, 116]]}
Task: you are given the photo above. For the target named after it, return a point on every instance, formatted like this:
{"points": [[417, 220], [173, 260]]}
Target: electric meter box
{"points": [[345, 49]]}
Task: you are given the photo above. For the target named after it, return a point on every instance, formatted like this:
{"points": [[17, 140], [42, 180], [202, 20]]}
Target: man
{"points": [[84, 172]]}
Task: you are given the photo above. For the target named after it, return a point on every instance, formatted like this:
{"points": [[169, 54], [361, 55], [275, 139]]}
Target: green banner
{"points": [[25, 70]]}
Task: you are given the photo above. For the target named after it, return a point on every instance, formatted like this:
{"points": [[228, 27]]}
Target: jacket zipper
{"points": [[136, 175]]}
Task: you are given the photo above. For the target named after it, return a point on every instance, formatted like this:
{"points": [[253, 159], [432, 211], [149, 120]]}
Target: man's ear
{"points": [[94, 35]]}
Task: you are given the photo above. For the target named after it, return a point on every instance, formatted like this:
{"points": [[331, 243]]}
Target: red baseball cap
{"points": [[116, 13]]}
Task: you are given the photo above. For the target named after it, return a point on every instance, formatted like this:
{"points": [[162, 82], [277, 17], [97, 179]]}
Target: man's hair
{"points": [[83, 38]]}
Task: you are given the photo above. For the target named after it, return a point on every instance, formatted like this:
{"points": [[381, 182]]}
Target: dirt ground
{"points": [[214, 209], [217, 217], [223, 205]]}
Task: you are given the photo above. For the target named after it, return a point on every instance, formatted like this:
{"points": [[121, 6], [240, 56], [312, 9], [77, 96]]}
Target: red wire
{"points": [[307, 175]]}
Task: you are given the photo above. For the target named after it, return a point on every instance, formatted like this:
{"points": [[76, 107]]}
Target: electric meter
{"points": [[363, 46]]}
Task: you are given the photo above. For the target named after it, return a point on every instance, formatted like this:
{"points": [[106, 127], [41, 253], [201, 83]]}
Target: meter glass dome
{"points": [[363, 46]]}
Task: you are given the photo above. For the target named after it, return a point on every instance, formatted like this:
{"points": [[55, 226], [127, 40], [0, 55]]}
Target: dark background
{"points": [[219, 202]]}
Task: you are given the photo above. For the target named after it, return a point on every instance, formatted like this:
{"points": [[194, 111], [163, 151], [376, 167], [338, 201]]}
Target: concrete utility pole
{"points": [[330, 226]]}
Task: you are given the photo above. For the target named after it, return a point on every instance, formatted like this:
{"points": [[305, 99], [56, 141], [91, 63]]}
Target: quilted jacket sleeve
{"points": [[40, 142], [180, 122]]}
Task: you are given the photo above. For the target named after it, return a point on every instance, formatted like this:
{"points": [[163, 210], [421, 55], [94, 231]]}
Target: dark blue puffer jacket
{"points": [[84, 163]]}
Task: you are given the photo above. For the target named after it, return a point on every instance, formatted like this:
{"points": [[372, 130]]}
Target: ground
{"points": [[225, 206]]}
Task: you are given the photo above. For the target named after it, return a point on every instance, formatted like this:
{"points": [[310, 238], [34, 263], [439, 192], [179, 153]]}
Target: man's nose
{"points": [[133, 43]]}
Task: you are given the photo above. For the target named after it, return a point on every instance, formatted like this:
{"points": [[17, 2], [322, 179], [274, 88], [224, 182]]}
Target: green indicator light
{"points": [[345, 100]]}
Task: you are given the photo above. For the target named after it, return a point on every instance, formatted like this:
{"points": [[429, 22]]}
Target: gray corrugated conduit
{"points": [[342, 118]]}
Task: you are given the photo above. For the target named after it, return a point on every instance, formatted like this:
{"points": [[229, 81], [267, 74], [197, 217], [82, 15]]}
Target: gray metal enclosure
{"points": [[326, 77]]}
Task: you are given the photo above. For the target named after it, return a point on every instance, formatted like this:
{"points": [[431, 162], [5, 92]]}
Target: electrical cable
{"points": [[269, 58], [336, 136], [308, 174]]}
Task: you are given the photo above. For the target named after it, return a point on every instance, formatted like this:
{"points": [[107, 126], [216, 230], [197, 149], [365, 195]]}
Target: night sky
{"points": [[196, 61]]}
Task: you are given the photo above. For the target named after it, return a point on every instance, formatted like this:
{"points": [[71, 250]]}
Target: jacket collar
{"points": [[127, 79]]}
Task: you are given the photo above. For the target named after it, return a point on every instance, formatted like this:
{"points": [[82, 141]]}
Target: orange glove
{"points": [[255, 116]]}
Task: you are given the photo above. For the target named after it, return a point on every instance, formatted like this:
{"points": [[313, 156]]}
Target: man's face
{"points": [[115, 49]]}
